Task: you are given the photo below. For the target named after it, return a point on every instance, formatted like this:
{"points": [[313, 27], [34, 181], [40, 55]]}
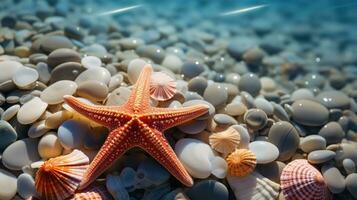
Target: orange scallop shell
{"points": [[226, 141], [59, 177], [92, 193], [162, 86], [241, 162]]}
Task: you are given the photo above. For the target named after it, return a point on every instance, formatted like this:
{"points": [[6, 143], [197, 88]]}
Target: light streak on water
{"points": [[119, 10], [243, 10]]}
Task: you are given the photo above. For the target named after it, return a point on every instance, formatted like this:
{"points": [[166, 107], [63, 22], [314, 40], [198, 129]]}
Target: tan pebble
{"points": [[31, 111], [55, 92], [49, 146], [93, 90], [10, 112], [56, 119], [22, 51]]}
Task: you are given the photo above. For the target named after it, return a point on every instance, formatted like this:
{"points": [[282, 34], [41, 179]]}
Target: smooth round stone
{"points": [[312, 142], [53, 42], [191, 69], [10, 112], [255, 118], [8, 185], [320, 156], [8, 68], [73, 32], [302, 93], [193, 127], [268, 84], [351, 184], [155, 53], [66, 71], [60, 56], [37, 129], [54, 93], [285, 137], [127, 176], [211, 109], [250, 83], [20, 153], [118, 96], [208, 190], [177, 194], [31, 111], [25, 77], [93, 90], [153, 172], [224, 120], [197, 84], [332, 132], [246, 99], [235, 109], [244, 136], [95, 74], [215, 94], [344, 151], [334, 99], [134, 69], [91, 62], [195, 157], [43, 72], [8, 134], [130, 43], [71, 133], [349, 166], [309, 113], [265, 105], [333, 179], [49, 146], [280, 112], [26, 186], [172, 62], [265, 152]]}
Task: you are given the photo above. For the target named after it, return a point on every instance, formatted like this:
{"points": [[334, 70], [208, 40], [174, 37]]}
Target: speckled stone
{"points": [[255, 118], [334, 99], [8, 134], [49, 146], [320, 156], [312, 143], [92, 90], [26, 186], [332, 132], [333, 178], [286, 138], [54, 93], [309, 113], [208, 190], [8, 185], [351, 184], [250, 83], [31, 111], [215, 94]]}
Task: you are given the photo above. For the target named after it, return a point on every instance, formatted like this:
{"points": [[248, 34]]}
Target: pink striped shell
{"points": [[300, 180], [59, 177], [162, 86], [92, 193]]}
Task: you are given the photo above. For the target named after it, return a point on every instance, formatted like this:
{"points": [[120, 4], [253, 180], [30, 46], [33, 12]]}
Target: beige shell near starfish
{"points": [[226, 141]]}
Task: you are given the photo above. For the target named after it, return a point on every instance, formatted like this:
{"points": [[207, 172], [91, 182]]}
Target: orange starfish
{"points": [[136, 124]]}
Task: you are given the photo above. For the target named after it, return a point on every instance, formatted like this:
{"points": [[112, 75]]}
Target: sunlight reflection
{"points": [[243, 10], [119, 10]]}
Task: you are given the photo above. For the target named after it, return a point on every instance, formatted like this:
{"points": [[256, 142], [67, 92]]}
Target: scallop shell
{"points": [[226, 141], [241, 162], [59, 177], [253, 187], [162, 86], [92, 193], [300, 180]]}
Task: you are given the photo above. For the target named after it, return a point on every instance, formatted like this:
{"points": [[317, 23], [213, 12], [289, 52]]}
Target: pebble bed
{"points": [[289, 92]]}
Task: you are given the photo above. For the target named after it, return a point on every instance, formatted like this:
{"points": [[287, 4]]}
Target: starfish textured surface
{"points": [[136, 124]]}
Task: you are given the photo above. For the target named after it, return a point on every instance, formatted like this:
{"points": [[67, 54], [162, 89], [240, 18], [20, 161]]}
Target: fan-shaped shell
{"points": [[92, 193], [226, 141], [162, 86], [241, 162], [59, 177], [253, 187], [300, 180]]}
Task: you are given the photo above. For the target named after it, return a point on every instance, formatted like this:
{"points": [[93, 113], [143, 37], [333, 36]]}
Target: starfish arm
{"points": [[104, 115], [165, 118], [139, 99], [156, 145], [116, 144]]}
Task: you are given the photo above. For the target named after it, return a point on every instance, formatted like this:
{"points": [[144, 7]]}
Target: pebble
{"points": [[116, 188], [333, 179], [38, 129], [302, 93], [20, 153], [349, 166], [154, 52], [10, 112], [130, 43], [268, 84], [8, 135], [153, 172], [134, 69], [215, 94], [309, 113], [53, 42], [334, 99], [62, 55], [235, 109], [255, 119], [31, 111], [177, 194], [172, 62], [286, 138], [197, 84], [54, 93], [66, 71], [127, 177], [332, 132], [26, 186], [211, 109], [320, 156], [191, 69], [92, 90], [265, 105], [208, 190], [71, 133], [49, 146], [271, 170], [193, 127], [25, 77], [95, 74], [244, 136], [95, 139], [265, 152], [312, 142], [8, 185], [8, 69], [91, 62], [43, 72], [118, 96], [224, 120], [351, 184], [250, 83]]}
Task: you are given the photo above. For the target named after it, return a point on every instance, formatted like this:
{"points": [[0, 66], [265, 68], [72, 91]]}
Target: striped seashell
{"points": [[241, 162], [59, 177], [253, 187], [226, 141], [162, 86], [92, 193], [301, 180]]}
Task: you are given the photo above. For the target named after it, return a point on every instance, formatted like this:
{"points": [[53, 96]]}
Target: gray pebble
{"points": [[71, 133], [250, 83], [197, 84], [53, 42], [26, 186], [224, 120], [309, 113], [334, 99], [312, 143], [60, 56], [333, 178], [255, 119], [208, 190], [320, 156], [191, 69], [265, 105], [8, 134], [351, 184], [332, 132], [215, 94], [349, 166], [66, 71]]}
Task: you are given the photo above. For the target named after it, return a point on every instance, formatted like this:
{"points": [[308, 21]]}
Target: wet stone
{"points": [[309, 113], [334, 99], [54, 93], [332, 132], [312, 143], [66, 71], [191, 69], [320, 156], [62, 55]]}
